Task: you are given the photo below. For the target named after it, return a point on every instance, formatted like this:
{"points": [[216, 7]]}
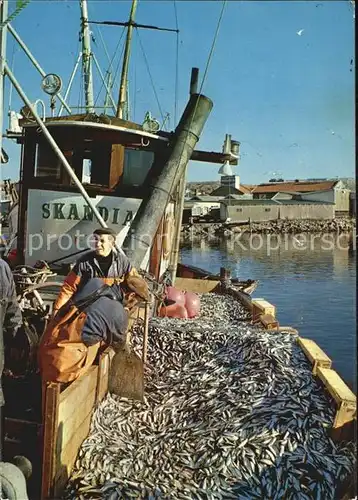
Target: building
{"points": [[230, 184], [200, 206], [330, 191], [260, 210]]}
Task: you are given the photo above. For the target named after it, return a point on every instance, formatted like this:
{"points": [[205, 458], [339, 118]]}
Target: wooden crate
{"points": [[268, 321], [345, 399], [67, 423], [261, 306], [315, 354], [195, 285]]}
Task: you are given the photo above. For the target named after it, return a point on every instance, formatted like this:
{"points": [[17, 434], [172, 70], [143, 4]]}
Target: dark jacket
{"points": [[86, 268], [10, 312]]}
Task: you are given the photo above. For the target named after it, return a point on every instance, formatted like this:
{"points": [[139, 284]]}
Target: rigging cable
{"points": [[203, 80], [116, 73], [75, 58], [176, 65], [111, 65], [104, 44], [110, 60], [213, 45], [150, 76]]}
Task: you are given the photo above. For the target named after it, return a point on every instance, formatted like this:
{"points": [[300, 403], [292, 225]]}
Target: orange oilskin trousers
{"points": [[62, 355]]}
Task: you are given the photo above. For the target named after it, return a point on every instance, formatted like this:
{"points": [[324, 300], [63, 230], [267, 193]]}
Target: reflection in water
{"points": [[310, 280]]}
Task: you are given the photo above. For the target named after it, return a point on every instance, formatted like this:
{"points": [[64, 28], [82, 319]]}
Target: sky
{"points": [[281, 76]]}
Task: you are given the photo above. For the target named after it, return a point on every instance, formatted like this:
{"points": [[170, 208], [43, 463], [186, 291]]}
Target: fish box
{"points": [[269, 322], [261, 306], [68, 413], [315, 354], [345, 399], [196, 285]]}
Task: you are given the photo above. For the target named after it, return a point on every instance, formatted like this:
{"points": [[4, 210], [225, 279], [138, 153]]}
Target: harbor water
{"points": [[310, 279]]}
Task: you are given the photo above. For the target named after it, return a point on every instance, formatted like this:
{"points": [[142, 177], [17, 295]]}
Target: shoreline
{"points": [[338, 226]]}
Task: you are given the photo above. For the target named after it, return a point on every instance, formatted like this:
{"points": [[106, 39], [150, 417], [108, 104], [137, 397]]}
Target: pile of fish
{"points": [[231, 411]]}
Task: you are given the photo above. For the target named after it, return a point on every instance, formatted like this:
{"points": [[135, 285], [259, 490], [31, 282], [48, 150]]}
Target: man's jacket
{"points": [[71, 341], [87, 268], [10, 312]]}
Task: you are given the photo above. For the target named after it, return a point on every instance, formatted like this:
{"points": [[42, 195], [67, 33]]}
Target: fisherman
{"points": [[103, 262], [97, 316], [10, 313], [12, 479]]}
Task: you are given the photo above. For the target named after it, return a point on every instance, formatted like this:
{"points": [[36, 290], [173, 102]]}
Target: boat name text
{"points": [[71, 211]]}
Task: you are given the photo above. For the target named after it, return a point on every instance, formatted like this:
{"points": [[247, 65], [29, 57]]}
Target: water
{"points": [[311, 282]]}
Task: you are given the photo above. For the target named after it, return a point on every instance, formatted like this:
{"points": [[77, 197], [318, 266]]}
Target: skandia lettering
{"points": [[72, 211]]}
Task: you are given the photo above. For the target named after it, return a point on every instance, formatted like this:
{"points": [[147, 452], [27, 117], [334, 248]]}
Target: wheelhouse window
{"points": [[95, 162], [47, 164], [137, 164]]}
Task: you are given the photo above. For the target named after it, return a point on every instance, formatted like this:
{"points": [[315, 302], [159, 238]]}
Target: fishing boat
{"points": [[79, 171], [136, 187], [186, 271]]}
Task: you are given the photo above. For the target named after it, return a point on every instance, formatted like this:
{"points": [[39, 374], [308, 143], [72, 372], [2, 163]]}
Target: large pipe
{"points": [[194, 80], [146, 221]]}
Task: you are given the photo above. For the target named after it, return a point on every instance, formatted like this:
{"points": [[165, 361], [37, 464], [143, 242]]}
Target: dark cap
{"points": [[105, 230], [138, 286]]}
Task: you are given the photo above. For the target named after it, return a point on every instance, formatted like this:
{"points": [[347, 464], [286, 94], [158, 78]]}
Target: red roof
{"points": [[303, 187], [246, 188]]}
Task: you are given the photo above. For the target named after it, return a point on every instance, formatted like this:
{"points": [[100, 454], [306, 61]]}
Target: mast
{"points": [[86, 57], [124, 75]]}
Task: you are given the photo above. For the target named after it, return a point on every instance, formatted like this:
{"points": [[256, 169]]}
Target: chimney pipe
{"points": [[194, 81]]}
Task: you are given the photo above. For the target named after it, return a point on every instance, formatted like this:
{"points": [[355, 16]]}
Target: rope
{"points": [[176, 64], [110, 66], [116, 73], [20, 5], [204, 78], [75, 57], [213, 45], [150, 76], [104, 45]]}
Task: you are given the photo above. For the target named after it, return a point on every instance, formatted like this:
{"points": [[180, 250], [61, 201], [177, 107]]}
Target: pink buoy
{"points": [[173, 311], [192, 304], [176, 295]]}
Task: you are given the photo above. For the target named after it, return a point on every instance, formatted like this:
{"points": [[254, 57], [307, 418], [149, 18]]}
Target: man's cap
{"points": [[138, 286], [105, 230]]}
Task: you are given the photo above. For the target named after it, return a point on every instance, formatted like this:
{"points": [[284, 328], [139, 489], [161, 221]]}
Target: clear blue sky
{"points": [[288, 99]]}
